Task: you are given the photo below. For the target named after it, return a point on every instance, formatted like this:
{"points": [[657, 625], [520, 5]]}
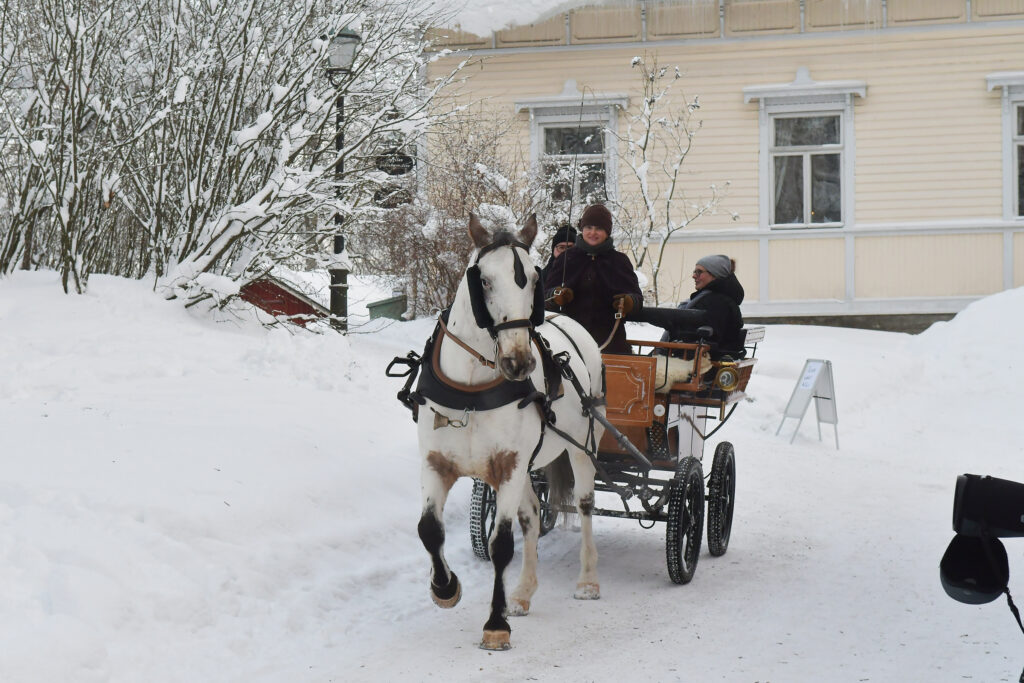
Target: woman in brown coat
{"points": [[592, 281]]}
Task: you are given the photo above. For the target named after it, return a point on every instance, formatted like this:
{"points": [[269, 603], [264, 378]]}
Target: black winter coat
{"points": [[720, 300], [595, 276]]}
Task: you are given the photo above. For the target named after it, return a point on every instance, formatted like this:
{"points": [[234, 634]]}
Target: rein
{"points": [[473, 352], [615, 327]]}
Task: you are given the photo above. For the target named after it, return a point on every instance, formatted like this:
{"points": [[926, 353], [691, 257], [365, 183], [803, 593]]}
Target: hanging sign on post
{"points": [[815, 382]]}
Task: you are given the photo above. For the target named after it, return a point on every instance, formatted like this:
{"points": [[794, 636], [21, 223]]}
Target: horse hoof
{"points": [[453, 599], [496, 640], [588, 591], [519, 608]]}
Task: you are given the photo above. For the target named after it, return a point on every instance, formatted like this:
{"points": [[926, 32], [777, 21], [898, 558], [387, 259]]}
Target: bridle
{"points": [[483, 317]]}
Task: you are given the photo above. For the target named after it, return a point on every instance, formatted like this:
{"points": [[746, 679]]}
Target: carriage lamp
{"points": [[727, 378], [341, 54]]}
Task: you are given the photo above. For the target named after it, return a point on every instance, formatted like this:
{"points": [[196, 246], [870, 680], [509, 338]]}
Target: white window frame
{"points": [[805, 97], [1012, 85], [572, 108], [805, 152], [543, 158]]}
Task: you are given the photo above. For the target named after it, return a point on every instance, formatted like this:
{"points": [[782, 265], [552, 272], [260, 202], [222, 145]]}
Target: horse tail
{"points": [[560, 484]]}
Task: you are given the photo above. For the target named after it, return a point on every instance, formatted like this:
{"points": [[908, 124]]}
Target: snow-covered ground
{"points": [[187, 497]]}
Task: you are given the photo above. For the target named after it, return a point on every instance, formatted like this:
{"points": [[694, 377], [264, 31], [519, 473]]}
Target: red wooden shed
{"points": [[281, 299]]}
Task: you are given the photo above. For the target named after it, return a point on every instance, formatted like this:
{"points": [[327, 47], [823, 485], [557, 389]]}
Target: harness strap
{"points": [[522, 322], [473, 352]]}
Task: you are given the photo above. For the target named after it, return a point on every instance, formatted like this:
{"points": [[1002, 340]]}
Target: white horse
{"points": [[487, 349]]}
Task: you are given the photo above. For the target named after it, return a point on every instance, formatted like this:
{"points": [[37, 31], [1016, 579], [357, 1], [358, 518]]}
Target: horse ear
{"points": [[529, 231], [479, 234]]}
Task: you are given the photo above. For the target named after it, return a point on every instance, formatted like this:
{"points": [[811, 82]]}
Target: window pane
{"points": [[592, 185], [1020, 180], [807, 130], [558, 180], [1020, 120], [789, 189], [573, 140], [826, 192]]}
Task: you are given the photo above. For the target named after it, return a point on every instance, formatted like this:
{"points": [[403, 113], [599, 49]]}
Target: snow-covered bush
{"points": [[475, 165], [660, 128]]}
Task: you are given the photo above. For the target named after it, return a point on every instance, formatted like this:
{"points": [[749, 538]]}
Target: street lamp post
{"points": [[341, 54]]}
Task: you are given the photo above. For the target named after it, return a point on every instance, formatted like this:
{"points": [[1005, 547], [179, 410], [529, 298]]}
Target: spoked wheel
{"points": [[721, 498], [685, 520], [482, 511], [548, 516]]}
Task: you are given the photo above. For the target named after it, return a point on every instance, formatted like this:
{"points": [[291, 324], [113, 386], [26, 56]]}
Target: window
{"points": [[806, 151], [570, 142], [584, 146], [1018, 150], [806, 162], [1011, 83]]}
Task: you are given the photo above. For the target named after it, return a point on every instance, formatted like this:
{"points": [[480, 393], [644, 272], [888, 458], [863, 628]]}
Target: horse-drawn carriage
{"points": [[501, 392], [667, 422]]}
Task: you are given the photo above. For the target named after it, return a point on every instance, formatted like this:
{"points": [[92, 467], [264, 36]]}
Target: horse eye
{"points": [[485, 282]]}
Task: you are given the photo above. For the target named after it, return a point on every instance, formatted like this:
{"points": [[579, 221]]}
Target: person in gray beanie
{"points": [[719, 265], [718, 294]]}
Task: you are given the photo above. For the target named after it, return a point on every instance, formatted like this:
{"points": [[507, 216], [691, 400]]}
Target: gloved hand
{"points": [[625, 301], [562, 296]]}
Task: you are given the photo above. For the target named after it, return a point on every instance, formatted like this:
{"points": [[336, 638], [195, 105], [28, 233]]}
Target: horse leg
{"points": [[587, 586], [445, 589], [497, 631], [529, 520]]}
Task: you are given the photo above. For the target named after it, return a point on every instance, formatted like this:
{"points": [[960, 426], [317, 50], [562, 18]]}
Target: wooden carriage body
{"points": [[668, 421]]}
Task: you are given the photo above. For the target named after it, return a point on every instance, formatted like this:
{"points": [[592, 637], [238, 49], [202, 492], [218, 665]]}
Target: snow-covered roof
{"points": [[482, 17]]}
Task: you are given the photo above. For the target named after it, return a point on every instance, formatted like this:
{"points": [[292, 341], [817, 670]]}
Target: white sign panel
{"points": [[815, 382]]}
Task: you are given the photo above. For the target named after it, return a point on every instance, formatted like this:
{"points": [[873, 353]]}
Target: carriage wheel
{"points": [[721, 498], [685, 520], [548, 516], [482, 511]]}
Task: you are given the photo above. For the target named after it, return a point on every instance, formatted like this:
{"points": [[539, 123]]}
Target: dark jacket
{"points": [[720, 300], [546, 270], [595, 276]]}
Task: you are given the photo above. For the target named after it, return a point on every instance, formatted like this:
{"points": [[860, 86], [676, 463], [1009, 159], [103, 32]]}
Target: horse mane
{"points": [[504, 238]]}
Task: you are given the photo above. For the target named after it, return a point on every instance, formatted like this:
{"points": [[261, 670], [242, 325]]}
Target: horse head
{"points": [[505, 293]]}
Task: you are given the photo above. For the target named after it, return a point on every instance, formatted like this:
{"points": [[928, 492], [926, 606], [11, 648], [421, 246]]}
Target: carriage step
{"points": [[657, 441]]}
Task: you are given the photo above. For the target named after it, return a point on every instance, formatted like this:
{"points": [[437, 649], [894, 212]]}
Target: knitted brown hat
{"points": [[598, 216]]}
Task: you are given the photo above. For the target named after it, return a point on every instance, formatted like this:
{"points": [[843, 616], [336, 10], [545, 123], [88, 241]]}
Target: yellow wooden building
{"points": [[874, 149]]}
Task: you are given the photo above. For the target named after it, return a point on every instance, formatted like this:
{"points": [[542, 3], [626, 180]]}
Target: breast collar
{"points": [[433, 384]]}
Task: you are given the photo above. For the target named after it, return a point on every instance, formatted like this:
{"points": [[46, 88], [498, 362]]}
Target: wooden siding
{"points": [[550, 32], [817, 264], [675, 281], [928, 134], [748, 17], [928, 266], [687, 19], [1018, 260], [605, 25], [456, 39], [842, 15], [672, 21], [906, 12], [928, 148], [988, 10]]}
